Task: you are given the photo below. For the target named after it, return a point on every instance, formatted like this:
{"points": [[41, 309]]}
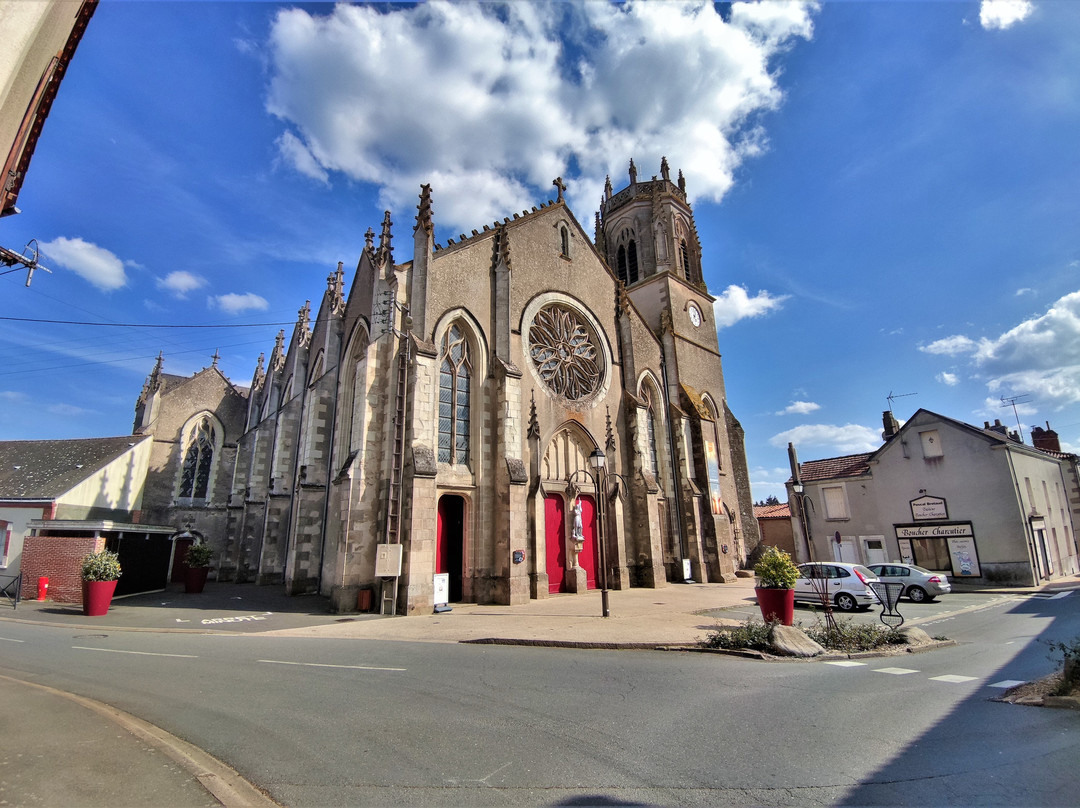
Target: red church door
{"points": [[555, 539], [587, 558]]}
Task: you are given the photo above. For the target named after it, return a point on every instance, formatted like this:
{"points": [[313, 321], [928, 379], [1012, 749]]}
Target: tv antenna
{"points": [[27, 258], [1012, 402], [892, 395]]}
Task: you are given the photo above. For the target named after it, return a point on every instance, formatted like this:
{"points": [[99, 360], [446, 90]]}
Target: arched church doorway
{"points": [[450, 542], [555, 542], [588, 557]]}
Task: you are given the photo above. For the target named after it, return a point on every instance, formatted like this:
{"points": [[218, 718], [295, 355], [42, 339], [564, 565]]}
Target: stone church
{"points": [[430, 434]]}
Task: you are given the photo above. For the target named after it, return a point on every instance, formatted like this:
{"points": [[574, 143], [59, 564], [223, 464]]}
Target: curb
{"points": [[226, 784]]}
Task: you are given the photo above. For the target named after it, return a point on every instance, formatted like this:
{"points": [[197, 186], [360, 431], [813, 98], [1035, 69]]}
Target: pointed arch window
{"points": [[654, 462], [564, 239], [454, 408], [631, 261], [684, 256], [620, 265], [198, 461]]}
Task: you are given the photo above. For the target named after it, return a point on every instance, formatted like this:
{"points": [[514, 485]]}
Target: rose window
{"points": [[564, 353]]}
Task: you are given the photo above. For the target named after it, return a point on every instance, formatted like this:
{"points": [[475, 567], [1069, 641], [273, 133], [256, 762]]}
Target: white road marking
{"points": [[895, 671], [952, 677], [8, 639], [846, 663], [1005, 684], [136, 653], [324, 665]]}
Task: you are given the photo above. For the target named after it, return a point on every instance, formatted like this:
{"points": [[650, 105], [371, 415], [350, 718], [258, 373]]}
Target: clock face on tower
{"points": [[695, 315]]}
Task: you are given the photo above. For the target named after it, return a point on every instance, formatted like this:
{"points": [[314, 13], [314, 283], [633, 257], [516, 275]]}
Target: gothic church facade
{"points": [[439, 417]]}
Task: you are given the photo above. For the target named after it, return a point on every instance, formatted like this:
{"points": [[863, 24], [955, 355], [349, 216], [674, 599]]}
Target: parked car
{"points": [[919, 584], [847, 585]]}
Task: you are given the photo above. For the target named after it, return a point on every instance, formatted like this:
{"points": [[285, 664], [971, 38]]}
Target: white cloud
{"points": [[233, 303], [847, 439], [67, 410], [1039, 357], [1025, 291], [93, 263], [735, 304], [490, 102], [950, 346], [1002, 14], [12, 395], [950, 379], [799, 408], [180, 283]]}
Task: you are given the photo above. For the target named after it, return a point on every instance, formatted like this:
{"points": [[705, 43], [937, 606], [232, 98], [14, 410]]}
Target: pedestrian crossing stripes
{"points": [[949, 678]]}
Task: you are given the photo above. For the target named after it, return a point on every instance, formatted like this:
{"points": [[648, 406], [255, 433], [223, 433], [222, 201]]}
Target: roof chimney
{"points": [[1045, 439], [892, 426]]}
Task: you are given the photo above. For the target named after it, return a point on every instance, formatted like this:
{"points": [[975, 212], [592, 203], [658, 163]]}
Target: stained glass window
{"points": [[564, 352], [454, 407], [198, 460]]}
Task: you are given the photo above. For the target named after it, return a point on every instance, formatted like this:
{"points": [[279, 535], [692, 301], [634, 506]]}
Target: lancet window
{"points": [[198, 461], [454, 401]]}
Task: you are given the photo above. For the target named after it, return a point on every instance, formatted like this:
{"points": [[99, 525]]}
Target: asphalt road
{"points": [[346, 722]]}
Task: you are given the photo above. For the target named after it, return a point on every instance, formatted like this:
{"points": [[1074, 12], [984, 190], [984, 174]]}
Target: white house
{"points": [[975, 503]]}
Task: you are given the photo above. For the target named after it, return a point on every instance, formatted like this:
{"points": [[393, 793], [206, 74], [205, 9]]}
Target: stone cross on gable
{"points": [[558, 183], [215, 358]]}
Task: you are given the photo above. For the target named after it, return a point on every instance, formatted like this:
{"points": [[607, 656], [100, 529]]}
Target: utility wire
{"points": [[141, 325]]}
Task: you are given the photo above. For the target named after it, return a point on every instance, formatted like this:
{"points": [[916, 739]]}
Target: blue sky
{"points": [[886, 192]]}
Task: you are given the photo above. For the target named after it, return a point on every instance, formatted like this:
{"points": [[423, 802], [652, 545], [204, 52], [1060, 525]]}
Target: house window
{"points": [[931, 443], [5, 541], [198, 460], [835, 502], [454, 415]]}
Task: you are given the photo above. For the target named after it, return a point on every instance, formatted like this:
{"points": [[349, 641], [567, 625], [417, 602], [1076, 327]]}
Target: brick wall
{"points": [[60, 559]]}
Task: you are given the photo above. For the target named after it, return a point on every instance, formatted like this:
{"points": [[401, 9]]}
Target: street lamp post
{"points": [[597, 461], [598, 477], [821, 586]]}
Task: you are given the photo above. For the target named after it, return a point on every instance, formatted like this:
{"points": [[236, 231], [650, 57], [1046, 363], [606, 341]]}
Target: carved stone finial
{"points": [[682, 182], [335, 288], [260, 374], [633, 171], [386, 237], [607, 187], [558, 183], [610, 442], [369, 239], [534, 424], [424, 219]]}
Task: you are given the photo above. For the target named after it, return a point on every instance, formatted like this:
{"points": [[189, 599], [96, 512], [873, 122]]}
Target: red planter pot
{"points": [[776, 604], [96, 597], [195, 579]]}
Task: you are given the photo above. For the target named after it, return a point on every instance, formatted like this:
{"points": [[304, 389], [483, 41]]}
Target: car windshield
{"points": [[865, 571]]}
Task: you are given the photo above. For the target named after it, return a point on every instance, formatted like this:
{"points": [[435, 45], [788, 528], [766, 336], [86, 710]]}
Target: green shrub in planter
{"points": [[776, 570], [103, 566], [199, 555]]}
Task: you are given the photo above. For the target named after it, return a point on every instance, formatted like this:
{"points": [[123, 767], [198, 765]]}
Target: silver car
{"points": [[920, 584], [846, 585]]}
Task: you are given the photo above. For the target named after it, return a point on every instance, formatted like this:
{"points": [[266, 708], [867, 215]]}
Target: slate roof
{"points": [[781, 511], [45, 469], [835, 467]]}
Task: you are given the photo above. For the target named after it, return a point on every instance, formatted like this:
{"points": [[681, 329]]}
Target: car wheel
{"points": [[917, 594], [845, 602]]}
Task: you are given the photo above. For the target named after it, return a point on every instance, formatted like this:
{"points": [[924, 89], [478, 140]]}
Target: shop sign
{"points": [[928, 507]]}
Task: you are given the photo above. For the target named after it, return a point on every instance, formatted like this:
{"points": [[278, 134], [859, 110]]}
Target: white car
{"points": [[920, 584], [847, 586]]}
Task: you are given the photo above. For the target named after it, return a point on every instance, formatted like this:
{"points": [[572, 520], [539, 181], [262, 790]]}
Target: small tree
{"points": [[199, 555], [776, 570], [103, 566]]}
